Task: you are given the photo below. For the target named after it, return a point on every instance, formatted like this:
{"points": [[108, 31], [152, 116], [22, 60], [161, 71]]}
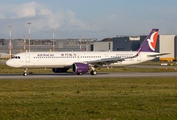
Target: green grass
{"points": [[85, 99]]}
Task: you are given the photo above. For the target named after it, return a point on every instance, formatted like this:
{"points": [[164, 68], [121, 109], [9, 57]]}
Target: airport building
{"points": [[126, 43], [19, 45], [103, 45], [129, 43], [168, 44]]}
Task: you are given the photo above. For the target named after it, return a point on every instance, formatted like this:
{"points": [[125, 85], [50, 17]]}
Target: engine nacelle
{"points": [[80, 68], [60, 70]]}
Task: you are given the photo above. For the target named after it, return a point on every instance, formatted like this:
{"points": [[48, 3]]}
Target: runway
{"points": [[100, 75]]}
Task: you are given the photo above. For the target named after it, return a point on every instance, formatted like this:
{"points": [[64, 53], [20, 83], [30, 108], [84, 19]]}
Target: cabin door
{"points": [[27, 55]]}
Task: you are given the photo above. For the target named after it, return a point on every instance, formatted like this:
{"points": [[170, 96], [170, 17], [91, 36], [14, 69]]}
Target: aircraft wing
{"points": [[158, 54], [107, 61]]}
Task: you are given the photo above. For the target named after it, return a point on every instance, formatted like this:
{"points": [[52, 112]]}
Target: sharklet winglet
{"points": [[138, 53]]}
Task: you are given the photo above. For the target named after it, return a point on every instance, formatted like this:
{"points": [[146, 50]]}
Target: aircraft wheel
{"points": [[93, 72], [79, 73], [24, 74]]}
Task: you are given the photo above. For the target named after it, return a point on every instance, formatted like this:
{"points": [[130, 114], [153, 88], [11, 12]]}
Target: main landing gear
{"points": [[25, 72], [93, 71]]}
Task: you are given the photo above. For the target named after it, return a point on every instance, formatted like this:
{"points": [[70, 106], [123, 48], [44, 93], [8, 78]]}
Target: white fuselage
{"points": [[64, 59]]}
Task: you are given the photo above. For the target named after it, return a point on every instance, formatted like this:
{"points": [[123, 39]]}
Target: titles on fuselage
{"points": [[44, 55], [51, 55], [68, 54]]}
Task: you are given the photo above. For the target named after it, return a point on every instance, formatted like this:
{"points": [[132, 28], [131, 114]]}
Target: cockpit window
{"points": [[16, 57]]}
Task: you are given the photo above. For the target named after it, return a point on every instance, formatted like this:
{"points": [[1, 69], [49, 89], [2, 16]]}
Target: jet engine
{"points": [[59, 70], [80, 68]]}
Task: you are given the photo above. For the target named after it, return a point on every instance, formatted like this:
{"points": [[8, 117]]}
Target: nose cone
{"points": [[10, 63]]}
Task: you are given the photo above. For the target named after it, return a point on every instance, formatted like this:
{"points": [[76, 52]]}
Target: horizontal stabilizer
{"points": [[158, 54]]}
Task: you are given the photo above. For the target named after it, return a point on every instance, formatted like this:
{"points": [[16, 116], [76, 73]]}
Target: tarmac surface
{"points": [[100, 75]]}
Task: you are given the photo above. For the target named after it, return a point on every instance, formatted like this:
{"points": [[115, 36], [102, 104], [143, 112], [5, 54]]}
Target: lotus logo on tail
{"points": [[152, 41]]}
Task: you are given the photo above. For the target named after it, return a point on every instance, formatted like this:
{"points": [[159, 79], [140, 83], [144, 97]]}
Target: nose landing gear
{"points": [[25, 72]]}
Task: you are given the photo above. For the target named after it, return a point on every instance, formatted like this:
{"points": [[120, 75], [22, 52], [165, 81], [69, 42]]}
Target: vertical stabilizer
{"points": [[149, 44]]}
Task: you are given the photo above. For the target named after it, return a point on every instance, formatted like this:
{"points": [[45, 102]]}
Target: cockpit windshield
{"points": [[16, 57]]}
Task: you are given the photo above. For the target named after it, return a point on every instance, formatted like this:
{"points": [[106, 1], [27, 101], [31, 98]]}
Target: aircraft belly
{"points": [[49, 66], [43, 66]]}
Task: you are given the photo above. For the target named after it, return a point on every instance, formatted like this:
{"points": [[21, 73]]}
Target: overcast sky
{"points": [[89, 18]]}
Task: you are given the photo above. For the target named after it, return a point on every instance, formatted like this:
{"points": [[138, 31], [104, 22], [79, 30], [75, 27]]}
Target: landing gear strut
{"points": [[25, 72], [93, 71]]}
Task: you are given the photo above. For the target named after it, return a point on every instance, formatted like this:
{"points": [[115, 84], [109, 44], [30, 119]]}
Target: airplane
{"points": [[82, 61]]}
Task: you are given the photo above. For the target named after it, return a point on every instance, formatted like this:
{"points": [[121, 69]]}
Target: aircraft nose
{"points": [[9, 63]]}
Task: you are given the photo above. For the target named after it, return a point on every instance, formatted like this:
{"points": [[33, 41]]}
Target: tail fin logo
{"points": [[152, 41]]}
